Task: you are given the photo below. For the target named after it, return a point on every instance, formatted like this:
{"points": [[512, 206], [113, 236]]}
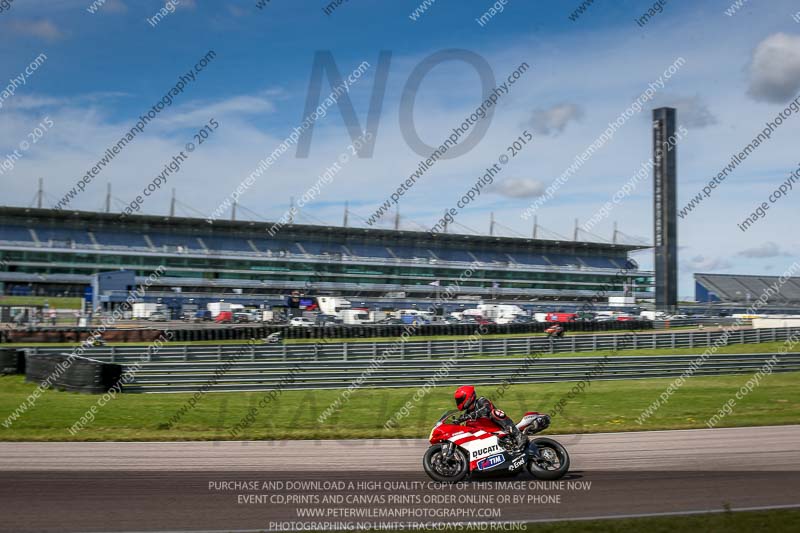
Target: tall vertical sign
{"points": [[665, 226]]}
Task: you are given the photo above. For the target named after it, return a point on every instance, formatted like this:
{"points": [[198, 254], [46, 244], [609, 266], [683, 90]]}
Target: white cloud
{"points": [[765, 250], [693, 111], [775, 69], [553, 120], [518, 187], [703, 263], [43, 29], [115, 6]]}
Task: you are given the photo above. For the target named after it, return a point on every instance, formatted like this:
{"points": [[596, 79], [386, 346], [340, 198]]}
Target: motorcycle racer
{"points": [[474, 407]]}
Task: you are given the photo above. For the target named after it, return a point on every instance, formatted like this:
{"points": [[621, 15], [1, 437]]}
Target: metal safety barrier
{"points": [[185, 368]]}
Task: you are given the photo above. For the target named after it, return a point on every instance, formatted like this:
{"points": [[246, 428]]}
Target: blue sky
{"points": [[105, 68]]}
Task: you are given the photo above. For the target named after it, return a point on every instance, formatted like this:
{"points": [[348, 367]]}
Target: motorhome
{"points": [[358, 316], [501, 313], [332, 305]]}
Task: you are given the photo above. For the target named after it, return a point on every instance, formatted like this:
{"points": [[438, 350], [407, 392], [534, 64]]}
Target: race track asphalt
{"points": [[275, 485]]}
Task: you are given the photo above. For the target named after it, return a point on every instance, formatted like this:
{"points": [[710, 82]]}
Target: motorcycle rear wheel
{"points": [[554, 461], [442, 469]]}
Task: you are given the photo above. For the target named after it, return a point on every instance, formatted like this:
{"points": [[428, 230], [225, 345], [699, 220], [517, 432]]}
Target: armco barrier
{"points": [[184, 368], [72, 373], [12, 361], [254, 375], [335, 350]]}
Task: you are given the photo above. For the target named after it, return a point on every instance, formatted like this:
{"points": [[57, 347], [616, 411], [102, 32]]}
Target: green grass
{"points": [[605, 406], [776, 521], [56, 302]]}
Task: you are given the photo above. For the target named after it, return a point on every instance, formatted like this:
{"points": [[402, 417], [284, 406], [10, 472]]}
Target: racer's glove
{"points": [[464, 418]]}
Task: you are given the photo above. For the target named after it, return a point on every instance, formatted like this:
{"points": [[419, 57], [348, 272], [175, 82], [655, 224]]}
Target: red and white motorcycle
{"points": [[481, 446]]}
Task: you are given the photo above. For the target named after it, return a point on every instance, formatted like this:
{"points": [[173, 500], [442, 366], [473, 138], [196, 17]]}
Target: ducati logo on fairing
{"points": [[489, 462], [484, 451]]}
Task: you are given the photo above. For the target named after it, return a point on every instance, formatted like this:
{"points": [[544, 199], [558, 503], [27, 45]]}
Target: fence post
{"points": [[344, 351], [741, 336], [758, 335], [430, 352], [594, 343], [219, 352], [691, 339], [283, 352], [635, 341], [505, 347], [113, 354], [672, 339], [574, 340], [185, 353], [528, 345], [374, 350], [708, 338]]}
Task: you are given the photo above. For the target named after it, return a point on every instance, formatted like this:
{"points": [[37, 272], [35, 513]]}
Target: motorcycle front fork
{"points": [[447, 450]]}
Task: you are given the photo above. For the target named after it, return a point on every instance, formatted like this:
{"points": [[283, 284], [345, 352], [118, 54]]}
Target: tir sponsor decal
{"points": [[484, 451], [489, 462]]}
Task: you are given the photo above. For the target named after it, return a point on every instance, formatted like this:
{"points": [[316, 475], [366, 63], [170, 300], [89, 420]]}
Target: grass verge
{"points": [[56, 302], [604, 406]]}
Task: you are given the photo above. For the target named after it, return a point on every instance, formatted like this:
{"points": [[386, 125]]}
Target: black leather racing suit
{"points": [[483, 408]]}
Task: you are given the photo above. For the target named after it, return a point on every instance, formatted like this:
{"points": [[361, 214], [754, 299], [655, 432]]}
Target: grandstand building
{"points": [[745, 289], [55, 253]]}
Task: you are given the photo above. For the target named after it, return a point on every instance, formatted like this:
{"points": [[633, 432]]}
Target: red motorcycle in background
{"points": [[479, 446], [555, 331]]}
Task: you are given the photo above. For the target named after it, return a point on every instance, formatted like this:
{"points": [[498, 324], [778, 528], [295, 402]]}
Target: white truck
{"points": [[501, 313], [144, 310], [332, 305], [355, 316], [215, 308]]}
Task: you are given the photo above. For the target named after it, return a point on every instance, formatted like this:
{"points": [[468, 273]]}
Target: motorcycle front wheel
{"points": [[552, 462], [444, 469]]}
